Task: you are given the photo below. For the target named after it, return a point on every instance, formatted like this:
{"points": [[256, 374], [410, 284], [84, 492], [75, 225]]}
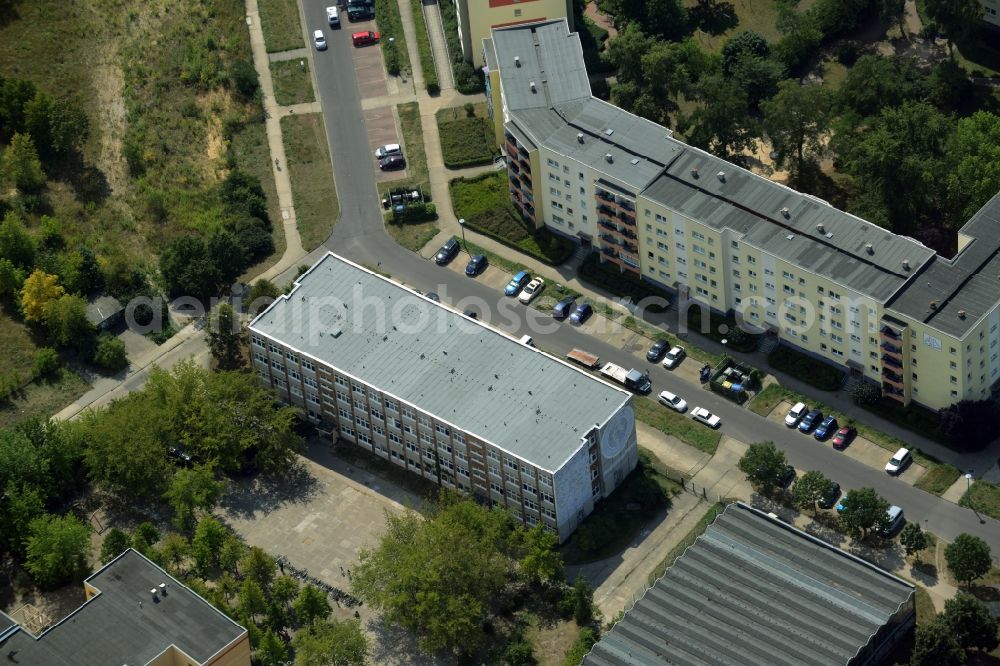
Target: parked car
{"points": [[899, 462], [657, 351], [830, 497], [360, 12], [824, 429], [363, 38], [447, 252], [581, 314], [433, 296], [530, 292], [333, 17], [517, 283], [319, 39], [795, 414], [674, 402], [476, 265], [563, 308], [471, 314], [702, 415], [387, 150], [392, 162], [810, 421], [844, 437], [894, 522], [674, 357]]}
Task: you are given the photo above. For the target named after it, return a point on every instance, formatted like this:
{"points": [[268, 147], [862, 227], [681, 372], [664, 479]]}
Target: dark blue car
{"points": [[476, 265], [810, 421], [563, 307], [826, 428], [517, 283], [581, 314]]}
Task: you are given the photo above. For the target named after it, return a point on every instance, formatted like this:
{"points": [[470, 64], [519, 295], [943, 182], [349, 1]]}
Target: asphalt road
{"points": [[360, 236]]}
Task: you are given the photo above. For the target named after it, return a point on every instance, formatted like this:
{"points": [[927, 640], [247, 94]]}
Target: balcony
{"points": [[513, 166], [889, 334], [893, 378], [514, 182], [525, 164], [890, 391], [891, 361], [891, 349]]}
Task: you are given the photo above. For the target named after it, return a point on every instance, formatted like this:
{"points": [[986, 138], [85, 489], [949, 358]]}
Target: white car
{"points": [[898, 462], [795, 414], [333, 17], [387, 150], [672, 401], [529, 293], [673, 358], [319, 40], [702, 415]]}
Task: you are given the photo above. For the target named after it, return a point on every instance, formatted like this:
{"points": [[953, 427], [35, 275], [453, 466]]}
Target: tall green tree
{"points": [[225, 338], [973, 156], [721, 123], [809, 489], [935, 646], [258, 566], [583, 601], [16, 244], [11, 279], [864, 510], [539, 558], [116, 541], [331, 643], [971, 623], [272, 651], [795, 120], [913, 539], [311, 605], [57, 549], [968, 558], [763, 465], [67, 323], [192, 490], [207, 542], [958, 18], [21, 166]]}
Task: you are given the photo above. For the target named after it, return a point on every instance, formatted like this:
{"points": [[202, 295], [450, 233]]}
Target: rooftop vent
{"points": [[933, 305], [153, 593], [609, 157], [906, 264], [609, 132], [785, 213], [820, 228], [579, 137], [790, 237], [869, 248], [163, 589], [694, 172], [517, 61], [722, 176], [635, 160], [961, 314], [531, 84]]}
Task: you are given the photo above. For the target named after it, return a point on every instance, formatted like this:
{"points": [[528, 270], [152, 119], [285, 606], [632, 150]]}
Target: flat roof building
{"points": [[874, 303], [448, 398], [755, 590], [129, 618], [477, 17]]}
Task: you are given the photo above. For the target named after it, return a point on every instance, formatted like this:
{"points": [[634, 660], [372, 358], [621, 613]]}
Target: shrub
{"points": [[415, 212], [866, 393], [109, 353], [970, 425], [46, 362], [609, 278], [244, 79], [812, 371]]}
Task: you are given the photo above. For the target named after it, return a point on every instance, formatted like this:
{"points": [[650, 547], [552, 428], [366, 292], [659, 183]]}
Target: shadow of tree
{"points": [[888, 556], [393, 644], [713, 17], [88, 182], [924, 573], [8, 12], [264, 493]]}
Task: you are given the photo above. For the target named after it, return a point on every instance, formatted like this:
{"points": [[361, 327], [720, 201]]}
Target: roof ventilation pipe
{"points": [[869, 248], [517, 61], [785, 213], [961, 314], [820, 228], [532, 86], [906, 264], [722, 176], [609, 157], [579, 137], [933, 305], [694, 172]]}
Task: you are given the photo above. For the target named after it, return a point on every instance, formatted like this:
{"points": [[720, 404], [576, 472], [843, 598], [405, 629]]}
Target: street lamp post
{"points": [[968, 480], [461, 223]]}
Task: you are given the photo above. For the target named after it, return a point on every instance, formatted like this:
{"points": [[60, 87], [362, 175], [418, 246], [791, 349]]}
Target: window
{"points": [[291, 357], [308, 365]]}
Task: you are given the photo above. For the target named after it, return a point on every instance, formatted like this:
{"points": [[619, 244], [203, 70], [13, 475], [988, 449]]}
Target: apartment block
{"points": [[476, 18], [445, 397], [882, 306]]}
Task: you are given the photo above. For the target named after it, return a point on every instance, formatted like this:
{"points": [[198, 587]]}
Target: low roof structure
{"points": [[755, 590], [103, 309]]}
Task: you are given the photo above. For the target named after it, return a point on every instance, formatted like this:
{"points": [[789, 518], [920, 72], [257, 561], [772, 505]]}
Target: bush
{"points": [[109, 353], [812, 371], [46, 362], [866, 393], [466, 142], [415, 212], [970, 425], [392, 41], [424, 49], [609, 278]]}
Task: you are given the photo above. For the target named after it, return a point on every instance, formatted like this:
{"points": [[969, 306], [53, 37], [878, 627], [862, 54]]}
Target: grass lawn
{"points": [[689, 538], [938, 478], [681, 426], [279, 19], [43, 397], [292, 83], [313, 191], [812, 371], [412, 236], [466, 140], [983, 497], [485, 204], [760, 16]]}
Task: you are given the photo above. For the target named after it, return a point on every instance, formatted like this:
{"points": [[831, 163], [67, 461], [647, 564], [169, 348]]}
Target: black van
{"points": [[447, 252]]}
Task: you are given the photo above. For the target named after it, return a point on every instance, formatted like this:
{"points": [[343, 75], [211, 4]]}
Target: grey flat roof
{"points": [[754, 590], [970, 281], [463, 372], [549, 55], [113, 628]]}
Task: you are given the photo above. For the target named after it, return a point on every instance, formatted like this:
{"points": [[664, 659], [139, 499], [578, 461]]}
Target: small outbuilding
{"points": [[105, 312]]}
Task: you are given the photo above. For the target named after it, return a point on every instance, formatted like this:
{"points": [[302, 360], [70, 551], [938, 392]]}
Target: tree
{"points": [[11, 279], [284, 589], [721, 123], [583, 601], [16, 244], [935, 646], [875, 82], [225, 338], [866, 393], [20, 505], [175, 549], [262, 294], [667, 18], [21, 166], [973, 152], [741, 45], [226, 254], [519, 652], [251, 599], [809, 489], [187, 269], [763, 465], [67, 323], [864, 510], [891, 11], [116, 541], [231, 554], [800, 36], [257, 565], [57, 549], [46, 362], [311, 606], [968, 558], [540, 560], [795, 120], [913, 539], [331, 643], [191, 490], [207, 542], [969, 425], [271, 651], [958, 18], [110, 353], [971, 623], [39, 290], [14, 95]]}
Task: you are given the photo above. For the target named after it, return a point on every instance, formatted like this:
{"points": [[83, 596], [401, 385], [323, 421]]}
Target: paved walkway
{"points": [[285, 55], [410, 32], [439, 44]]}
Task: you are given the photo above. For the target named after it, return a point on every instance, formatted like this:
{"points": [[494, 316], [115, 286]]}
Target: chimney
{"points": [[820, 228], [517, 61], [163, 589], [153, 594], [531, 84], [579, 137], [785, 213], [933, 305], [906, 264], [694, 172], [609, 157], [722, 176], [869, 248], [961, 314]]}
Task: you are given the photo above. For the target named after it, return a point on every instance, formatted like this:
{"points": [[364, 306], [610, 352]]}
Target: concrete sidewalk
{"points": [[410, 32], [439, 44]]}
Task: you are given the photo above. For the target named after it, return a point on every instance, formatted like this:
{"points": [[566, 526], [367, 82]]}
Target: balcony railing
{"points": [[889, 333], [891, 376], [891, 360], [891, 349]]}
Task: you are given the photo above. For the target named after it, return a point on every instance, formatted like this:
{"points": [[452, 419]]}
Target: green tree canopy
{"points": [[935, 646], [116, 541], [721, 123], [225, 338], [763, 465], [971, 623], [958, 18], [968, 558], [864, 510], [58, 547], [16, 244], [110, 352], [331, 643], [311, 605], [795, 120], [20, 165], [913, 539], [809, 489], [191, 490], [67, 323], [974, 164], [272, 651]]}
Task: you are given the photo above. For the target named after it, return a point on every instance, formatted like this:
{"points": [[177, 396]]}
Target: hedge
{"points": [[431, 82], [466, 142], [812, 371], [609, 278], [390, 25], [468, 80]]}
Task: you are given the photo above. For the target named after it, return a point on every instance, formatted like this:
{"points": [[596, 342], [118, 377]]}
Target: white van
{"points": [[333, 16], [527, 340], [894, 521], [387, 150]]}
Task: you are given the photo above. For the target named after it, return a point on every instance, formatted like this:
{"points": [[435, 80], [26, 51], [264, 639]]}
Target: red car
{"points": [[844, 437], [364, 38]]}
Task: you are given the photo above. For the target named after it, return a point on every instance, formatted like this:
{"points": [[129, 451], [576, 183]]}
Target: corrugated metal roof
{"points": [[753, 590], [465, 373], [969, 282]]}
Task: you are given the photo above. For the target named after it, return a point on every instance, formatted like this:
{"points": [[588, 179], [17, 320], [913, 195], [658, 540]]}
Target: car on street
{"points": [[530, 292], [674, 357], [433, 296], [363, 38], [830, 497], [476, 265], [447, 252], [333, 16], [517, 283], [899, 462], [392, 162], [795, 414], [826, 428], [810, 421], [844, 437], [581, 314], [471, 314], [702, 415], [674, 402], [387, 150], [657, 351], [894, 522], [563, 308], [319, 40]]}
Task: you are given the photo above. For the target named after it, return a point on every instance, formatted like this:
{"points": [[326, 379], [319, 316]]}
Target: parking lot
{"points": [[368, 63], [381, 124]]}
